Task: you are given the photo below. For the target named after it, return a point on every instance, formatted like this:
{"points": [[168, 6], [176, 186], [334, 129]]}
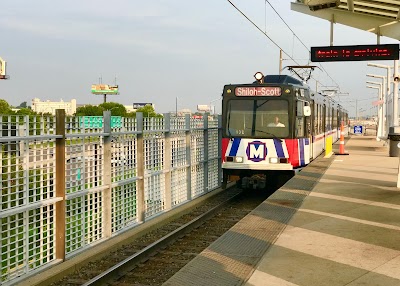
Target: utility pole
{"points": [[176, 106], [383, 126], [396, 94], [280, 62], [332, 25], [381, 131], [356, 110], [390, 78]]}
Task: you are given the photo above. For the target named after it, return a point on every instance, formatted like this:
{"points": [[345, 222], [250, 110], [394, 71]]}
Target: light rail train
{"points": [[273, 127]]}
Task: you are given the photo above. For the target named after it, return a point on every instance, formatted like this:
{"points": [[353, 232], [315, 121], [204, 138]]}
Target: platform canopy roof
{"points": [[379, 17]]}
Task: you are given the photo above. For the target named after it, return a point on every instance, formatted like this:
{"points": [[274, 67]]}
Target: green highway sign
{"points": [[93, 122]]}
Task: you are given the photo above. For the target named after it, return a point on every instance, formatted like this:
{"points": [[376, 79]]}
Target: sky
{"points": [[166, 51]]}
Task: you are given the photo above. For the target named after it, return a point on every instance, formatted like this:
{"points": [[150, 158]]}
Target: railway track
{"points": [[155, 257]]}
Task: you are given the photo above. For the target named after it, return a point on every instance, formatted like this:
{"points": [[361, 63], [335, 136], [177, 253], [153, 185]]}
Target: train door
{"points": [[338, 123], [333, 124], [310, 128], [303, 131], [300, 124], [324, 124]]}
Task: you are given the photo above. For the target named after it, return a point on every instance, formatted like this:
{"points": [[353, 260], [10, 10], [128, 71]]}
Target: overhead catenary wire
{"points": [[294, 34], [287, 25], [276, 44], [258, 28], [265, 18], [369, 98]]}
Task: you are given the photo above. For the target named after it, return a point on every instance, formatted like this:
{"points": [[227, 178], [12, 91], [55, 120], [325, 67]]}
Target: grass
{"points": [[14, 250]]}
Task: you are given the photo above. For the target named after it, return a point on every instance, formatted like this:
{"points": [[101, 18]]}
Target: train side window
{"points": [[316, 118], [300, 108], [300, 121], [321, 124], [323, 118], [300, 126], [318, 130], [334, 119], [328, 122]]}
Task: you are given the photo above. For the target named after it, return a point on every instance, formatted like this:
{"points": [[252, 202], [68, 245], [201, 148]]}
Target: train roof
{"points": [[282, 79]]}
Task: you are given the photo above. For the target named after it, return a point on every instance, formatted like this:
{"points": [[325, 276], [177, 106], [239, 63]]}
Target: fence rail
{"points": [[66, 185]]}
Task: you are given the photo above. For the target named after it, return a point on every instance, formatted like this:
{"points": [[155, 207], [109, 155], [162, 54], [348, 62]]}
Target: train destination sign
{"points": [[355, 53], [258, 91]]}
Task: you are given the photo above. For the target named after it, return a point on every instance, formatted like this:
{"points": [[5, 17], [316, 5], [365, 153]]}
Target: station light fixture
{"points": [[319, 5]]}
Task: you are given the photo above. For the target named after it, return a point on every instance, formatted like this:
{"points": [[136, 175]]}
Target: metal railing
{"points": [[67, 183]]}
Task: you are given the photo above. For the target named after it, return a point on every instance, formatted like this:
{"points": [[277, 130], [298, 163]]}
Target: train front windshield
{"points": [[258, 118]]}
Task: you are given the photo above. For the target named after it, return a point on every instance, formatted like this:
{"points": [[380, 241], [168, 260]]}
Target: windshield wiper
{"points": [[229, 132], [229, 120], [273, 135]]}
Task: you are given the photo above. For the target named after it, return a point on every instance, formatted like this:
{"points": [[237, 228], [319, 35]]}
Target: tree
{"points": [[26, 111], [148, 111], [89, 110], [131, 114], [5, 108], [117, 109]]}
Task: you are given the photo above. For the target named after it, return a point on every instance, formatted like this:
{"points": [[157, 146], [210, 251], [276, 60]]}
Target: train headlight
{"points": [[283, 160], [239, 159], [273, 160], [259, 77]]}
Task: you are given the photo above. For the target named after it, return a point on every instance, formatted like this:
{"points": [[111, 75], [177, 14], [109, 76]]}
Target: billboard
{"points": [[104, 89], [202, 107], [2, 67], [137, 105]]}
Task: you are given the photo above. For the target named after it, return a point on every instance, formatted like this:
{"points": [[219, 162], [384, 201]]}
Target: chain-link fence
{"points": [[69, 182]]}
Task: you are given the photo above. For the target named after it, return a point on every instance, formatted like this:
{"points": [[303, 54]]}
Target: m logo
{"points": [[256, 151]]}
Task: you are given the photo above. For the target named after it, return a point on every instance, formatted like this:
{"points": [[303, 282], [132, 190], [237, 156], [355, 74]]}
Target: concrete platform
{"points": [[335, 223]]}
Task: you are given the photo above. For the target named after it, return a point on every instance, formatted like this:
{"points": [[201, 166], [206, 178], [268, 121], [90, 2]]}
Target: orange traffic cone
{"points": [[341, 143]]}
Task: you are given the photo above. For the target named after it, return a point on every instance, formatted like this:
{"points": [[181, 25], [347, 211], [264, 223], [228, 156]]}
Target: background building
{"points": [[184, 111], [51, 106], [130, 108], [137, 105]]}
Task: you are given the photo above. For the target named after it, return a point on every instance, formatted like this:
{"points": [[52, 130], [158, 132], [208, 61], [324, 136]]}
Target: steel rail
{"points": [[130, 263]]}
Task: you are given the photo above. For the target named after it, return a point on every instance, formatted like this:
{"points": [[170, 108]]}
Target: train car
{"points": [[273, 127]]}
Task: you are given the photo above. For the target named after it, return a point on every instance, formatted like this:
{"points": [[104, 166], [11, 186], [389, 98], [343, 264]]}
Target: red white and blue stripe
{"points": [[296, 150]]}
